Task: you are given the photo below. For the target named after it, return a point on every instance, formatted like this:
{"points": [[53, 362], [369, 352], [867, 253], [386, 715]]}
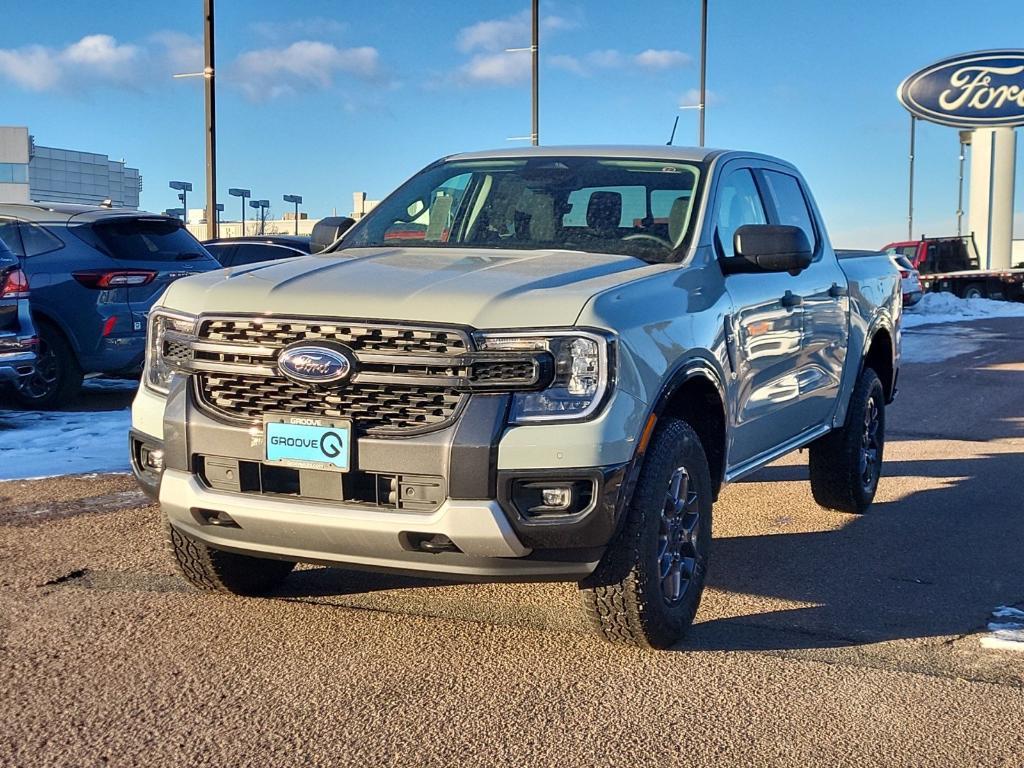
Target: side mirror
{"points": [[327, 230], [768, 248]]}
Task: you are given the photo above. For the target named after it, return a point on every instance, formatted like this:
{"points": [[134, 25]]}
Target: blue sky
{"points": [[323, 98]]}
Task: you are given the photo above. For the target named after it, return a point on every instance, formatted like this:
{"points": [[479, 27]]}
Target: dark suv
{"points": [[94, 273], [17, 336]]}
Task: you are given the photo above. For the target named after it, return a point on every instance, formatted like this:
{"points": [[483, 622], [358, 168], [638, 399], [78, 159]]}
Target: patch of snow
{"points": [[926, 348], [36, 444], [1005, 635], [947, 308]]}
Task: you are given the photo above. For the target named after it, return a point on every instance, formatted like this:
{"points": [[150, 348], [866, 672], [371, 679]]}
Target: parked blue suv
{"points": [[94, 272]]}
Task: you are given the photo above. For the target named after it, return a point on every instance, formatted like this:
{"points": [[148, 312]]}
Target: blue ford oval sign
{"points": [[973, 90], [310, 363]]}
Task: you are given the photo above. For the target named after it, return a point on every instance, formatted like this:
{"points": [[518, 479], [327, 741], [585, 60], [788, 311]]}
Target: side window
{"points": [[738, 203], [10, 236], [36, 240], [790, 204]]}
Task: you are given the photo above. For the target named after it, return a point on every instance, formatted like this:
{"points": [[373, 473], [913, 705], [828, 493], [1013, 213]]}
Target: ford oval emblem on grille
{"points": [[316, 363]]}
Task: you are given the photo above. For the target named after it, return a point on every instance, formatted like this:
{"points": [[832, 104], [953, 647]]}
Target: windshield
{"points": [[141, 239], [641, 208]]}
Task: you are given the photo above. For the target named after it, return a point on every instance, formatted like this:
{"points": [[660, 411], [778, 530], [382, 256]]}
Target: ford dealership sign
{"points": [[974, 90]]}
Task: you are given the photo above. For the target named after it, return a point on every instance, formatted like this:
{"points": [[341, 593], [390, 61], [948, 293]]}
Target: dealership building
{"points": [[30, 172]]}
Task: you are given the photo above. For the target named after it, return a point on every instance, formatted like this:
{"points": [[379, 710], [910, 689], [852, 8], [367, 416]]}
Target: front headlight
{"points": [[582, 373], [165, 346]]}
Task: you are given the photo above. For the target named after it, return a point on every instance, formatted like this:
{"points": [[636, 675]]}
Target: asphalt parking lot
{"points": [[824, 638]]}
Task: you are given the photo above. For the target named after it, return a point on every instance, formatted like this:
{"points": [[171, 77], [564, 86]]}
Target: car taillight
{"points": [[101, 279], [15, 285]]}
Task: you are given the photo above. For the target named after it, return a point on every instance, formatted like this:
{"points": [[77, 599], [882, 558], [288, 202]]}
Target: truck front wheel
{"points": [[846, 463], [646, 589], [214, 570]]}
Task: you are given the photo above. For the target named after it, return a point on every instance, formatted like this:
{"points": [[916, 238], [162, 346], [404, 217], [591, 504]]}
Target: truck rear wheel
{"points": [[646, 589], [846, 463], [975, 291], [214, 570]]}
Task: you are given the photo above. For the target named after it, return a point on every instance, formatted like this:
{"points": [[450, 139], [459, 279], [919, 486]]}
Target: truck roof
{"points": [[657, 151]]}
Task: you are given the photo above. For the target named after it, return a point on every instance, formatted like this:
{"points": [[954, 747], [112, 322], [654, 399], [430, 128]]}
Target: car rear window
{"points": [[140, 239]]}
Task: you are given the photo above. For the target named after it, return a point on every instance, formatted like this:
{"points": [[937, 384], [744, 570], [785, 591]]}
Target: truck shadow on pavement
{"points": [[933, 563]]}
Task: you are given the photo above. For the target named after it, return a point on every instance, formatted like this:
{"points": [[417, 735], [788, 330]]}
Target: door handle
{"points": [[790, 300], [837, 291]]}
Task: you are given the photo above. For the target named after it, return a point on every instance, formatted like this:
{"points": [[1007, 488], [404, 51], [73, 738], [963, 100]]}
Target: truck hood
{"points": [[481, 288]]}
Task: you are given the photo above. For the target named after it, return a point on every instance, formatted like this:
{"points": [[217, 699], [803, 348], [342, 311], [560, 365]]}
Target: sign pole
{"points": [[910, 205], [703, 67]]}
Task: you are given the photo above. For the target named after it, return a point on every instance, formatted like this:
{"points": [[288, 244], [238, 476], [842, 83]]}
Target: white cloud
{"points": [[270, 72], [650, 59], [92, 60], [512, 32], [496, 69], [662, 59]]}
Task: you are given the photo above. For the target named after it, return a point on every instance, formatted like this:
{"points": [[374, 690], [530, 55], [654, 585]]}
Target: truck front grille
{"points": [[373, 408], [408, 379]]}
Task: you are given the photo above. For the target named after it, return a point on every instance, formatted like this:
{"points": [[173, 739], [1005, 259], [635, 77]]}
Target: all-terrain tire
{"points": [[626, 597], [845, 464], [214, 570], [58, 376]]}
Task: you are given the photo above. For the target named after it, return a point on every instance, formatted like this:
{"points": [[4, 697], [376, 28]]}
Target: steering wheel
{"points": [[646, 236]]}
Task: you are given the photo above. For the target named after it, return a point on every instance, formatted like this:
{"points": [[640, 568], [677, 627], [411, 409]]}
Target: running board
{"points": [[757, 462]]}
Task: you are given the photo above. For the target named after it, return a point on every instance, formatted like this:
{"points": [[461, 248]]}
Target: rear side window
{"points": [[790, 204], [10, 237], [37, 241], [138, 239]]}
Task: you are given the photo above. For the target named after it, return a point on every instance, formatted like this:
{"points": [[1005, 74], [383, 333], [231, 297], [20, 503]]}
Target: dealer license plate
{"points": [[309, 443]]}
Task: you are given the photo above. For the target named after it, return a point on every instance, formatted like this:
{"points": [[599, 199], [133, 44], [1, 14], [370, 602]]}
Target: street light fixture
{"points": [[261, 206], [242, 193], [183, 187], [294, 199]]}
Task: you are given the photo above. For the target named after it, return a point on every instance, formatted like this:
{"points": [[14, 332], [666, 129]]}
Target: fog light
{"points": [[152, 458], [555, 499]]}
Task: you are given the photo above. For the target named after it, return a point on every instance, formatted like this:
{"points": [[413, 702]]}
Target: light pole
{"points": [[294, 199], [216, 215], [211, 112], [242, 193], [261, 206], [910, 196], [965, 141], [534, 50], [183, 187], [702, 105]]}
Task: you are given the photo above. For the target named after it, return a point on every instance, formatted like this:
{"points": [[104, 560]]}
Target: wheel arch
{"points": [[695, 393], [880, 356], [44, 317]]}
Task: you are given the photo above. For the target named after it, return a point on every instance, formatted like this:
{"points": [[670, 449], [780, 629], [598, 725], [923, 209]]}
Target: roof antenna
{"points": [[673, 136]]}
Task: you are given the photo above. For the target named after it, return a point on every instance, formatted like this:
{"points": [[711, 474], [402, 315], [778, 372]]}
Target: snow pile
{"points": [[37, 444], [1005, 629], [948, 308]]}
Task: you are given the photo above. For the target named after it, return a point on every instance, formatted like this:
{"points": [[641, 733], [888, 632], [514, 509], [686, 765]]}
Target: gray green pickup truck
{"points": [[534, 364]]}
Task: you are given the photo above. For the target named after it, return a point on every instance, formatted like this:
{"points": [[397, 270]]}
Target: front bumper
{"points": [[474, 510]]}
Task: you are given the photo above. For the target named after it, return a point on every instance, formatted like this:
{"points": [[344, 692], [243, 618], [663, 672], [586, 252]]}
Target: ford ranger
{"points": [[535, 364]]}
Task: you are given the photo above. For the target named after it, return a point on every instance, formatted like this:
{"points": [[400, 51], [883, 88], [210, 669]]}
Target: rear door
{"points": [[156, 250]]}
